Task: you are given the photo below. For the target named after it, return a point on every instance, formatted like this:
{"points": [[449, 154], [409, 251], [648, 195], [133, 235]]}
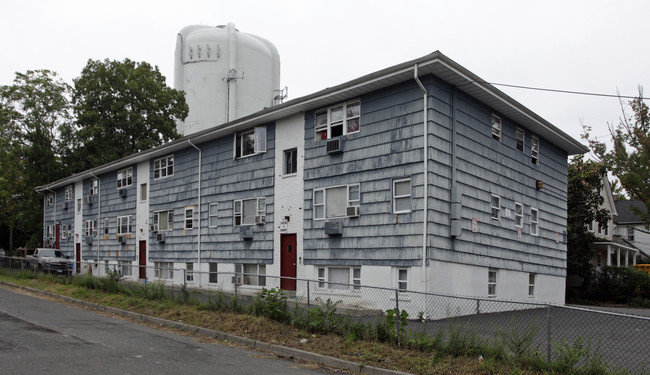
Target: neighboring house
{"points": [[609, 250], [630, 227], [420, 176]]}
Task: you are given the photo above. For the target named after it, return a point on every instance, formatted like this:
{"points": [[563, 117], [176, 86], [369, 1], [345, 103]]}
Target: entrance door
{"points": [[288, 261], [143, 259], [78, 258], [57, 236]]}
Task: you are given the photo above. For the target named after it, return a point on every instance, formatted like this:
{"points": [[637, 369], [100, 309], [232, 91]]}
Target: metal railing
{"points": [[551, 333]]}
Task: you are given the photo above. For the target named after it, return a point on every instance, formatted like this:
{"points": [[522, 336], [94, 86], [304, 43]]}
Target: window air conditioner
{"points": [[260, 219], [334, 228], [89, 240], [335, 145], [160, 237], [65, 205], [89, 199], [122, 192], [246, 232], [352, 211], [153, 228]]}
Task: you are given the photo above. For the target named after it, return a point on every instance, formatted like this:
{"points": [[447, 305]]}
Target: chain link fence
{"points": [[560, 336]]}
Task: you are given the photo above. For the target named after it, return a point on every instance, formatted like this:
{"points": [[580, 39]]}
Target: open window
{"points": [[250, 142], [338, 120]]}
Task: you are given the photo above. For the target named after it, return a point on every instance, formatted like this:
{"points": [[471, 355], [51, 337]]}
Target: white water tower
{"points": [[226, 74]]}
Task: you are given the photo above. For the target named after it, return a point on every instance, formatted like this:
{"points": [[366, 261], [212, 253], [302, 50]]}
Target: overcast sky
{"points": [[591, 46]]}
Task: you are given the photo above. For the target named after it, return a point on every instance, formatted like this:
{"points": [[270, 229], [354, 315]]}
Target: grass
{"points": [[270, 320]]}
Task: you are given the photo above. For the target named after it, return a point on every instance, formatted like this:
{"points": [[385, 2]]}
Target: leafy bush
{"points": [[272, 303], [621, 285]]}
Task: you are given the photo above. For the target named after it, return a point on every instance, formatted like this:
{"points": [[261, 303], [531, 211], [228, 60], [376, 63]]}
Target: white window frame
{"points": [[531, 284], [496, 127], [353, 283], [188, 218], [189, 272], [143, 192], [68, 193], [630, 237], [495, 211], [90, 228], [259, 142], [353, 199], [93, 186], [256, 278], [238, 210], [290, 162], [78, 205], [213, 276], [397, 197], [163, 167], [121, 224], [66, 231], [50, 199], [493, 278], [402, 279], [125, 267], [520, 144], [323, 128], [534, 221], [164, 270], [156, 220], [534, 150], [519, 215], [213, 215], [124, 178], [107, 226]]}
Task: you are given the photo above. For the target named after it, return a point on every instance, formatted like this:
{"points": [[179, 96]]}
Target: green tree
{"points": [[584, 206], [34, 111], [122, 108], [628, 158]]}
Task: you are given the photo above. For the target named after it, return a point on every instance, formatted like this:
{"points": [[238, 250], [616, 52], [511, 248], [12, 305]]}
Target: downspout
{"points": [[198, 241], [99, 215], [425, 219]]}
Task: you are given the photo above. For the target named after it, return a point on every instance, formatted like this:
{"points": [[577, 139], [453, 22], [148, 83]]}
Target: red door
{"points": [[143, 259], [288, 261], [78, 258], [57, 236]]}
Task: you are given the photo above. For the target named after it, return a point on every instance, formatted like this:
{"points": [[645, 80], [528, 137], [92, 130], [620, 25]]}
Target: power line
{"points": [[561, 91]]}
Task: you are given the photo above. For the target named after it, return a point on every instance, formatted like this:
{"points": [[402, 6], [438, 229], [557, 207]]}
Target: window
{"points": [[124, 225], [93, 186], [50, 199], [496, 207], [337, 121], [492, 283], [290, 161], [250, 142], [124, 267], [189, 217], [402, 196], [213, 215], [68, 193], [251, 274], [531, 285], [496, 127], [91, 228], [213, 276], [339, 278], [534, 219], [332, 202], [519, 142], [49, 231], [66, 231], [246, 210], [163, 167], [630, 234], [106, 225], [143, 192], [78, 204], [164, 270], [519, 215], [124, 178], [189, 272], [163, 220], [534, 150], [402, 279]]}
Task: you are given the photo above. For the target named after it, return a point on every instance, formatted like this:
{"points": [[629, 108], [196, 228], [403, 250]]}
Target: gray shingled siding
{"points": [[224, 180], [57, 214]]}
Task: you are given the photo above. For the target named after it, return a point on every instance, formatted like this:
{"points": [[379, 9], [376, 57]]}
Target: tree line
{"points": [[50, 129]]}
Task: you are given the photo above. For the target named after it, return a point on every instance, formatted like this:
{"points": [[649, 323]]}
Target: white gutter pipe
{"points": [[425, 219], [198, 245]]}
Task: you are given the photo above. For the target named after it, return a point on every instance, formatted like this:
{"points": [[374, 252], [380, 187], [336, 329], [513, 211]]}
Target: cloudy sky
{"points": [[589, 46]]}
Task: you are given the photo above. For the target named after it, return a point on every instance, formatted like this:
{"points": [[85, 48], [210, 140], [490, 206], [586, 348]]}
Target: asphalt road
{"points": [[41, 336]]}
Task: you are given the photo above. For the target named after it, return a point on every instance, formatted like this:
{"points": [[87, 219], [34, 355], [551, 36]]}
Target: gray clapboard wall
{"points": [[58, 214]]}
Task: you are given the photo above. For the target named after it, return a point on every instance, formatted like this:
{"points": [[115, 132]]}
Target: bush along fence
{"points": [[533, 336]]}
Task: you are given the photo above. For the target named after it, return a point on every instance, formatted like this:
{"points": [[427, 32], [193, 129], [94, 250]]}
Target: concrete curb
{"points": [[275, 349]]}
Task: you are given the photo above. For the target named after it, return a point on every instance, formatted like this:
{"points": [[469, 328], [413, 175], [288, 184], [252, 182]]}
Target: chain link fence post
{"points": [[548, 337]]}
